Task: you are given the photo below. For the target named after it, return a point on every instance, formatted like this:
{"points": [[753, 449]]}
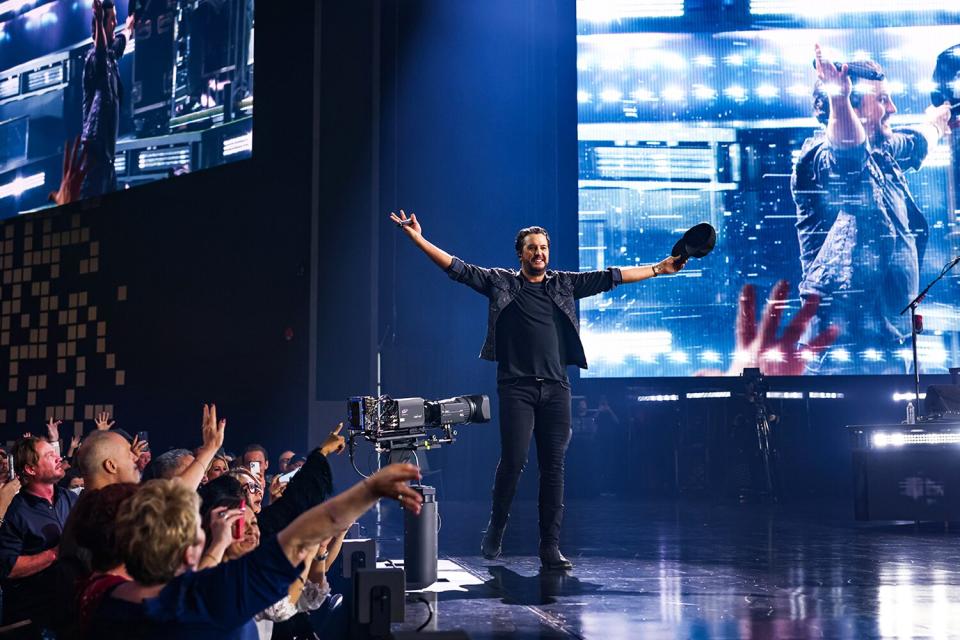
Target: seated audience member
{"points": [[184, 465], [218, 467], [88, 559], [106, 458], [144, 459], [161, 542], [297, 462], [72, 481], [284, 460], [4, 466], [31, 533], [170, 464], [253, 489], [256, 460], [225, 491]]}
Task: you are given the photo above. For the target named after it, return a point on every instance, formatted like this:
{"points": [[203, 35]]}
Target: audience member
{"points": [[284, 460], [106, 458], [73, 481], [184, 465], [255, 459], [31, 533], [218, 467], [144, 459], [161, 542], [253, 490], [88, 557]]}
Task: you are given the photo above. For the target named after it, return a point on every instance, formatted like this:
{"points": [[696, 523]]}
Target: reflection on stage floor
{"points": [[689, 570]]}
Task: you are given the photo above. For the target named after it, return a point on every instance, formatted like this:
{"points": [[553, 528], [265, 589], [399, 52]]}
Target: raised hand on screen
{"points": [[760, 346]]}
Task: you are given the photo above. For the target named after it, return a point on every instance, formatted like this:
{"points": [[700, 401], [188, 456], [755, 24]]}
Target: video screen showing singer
{"points": [[862, 235]]}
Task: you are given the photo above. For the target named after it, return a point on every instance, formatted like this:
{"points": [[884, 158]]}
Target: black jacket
{"points": [[501, 286]]}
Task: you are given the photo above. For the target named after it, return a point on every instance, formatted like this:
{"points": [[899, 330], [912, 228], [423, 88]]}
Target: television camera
{"points": [[403, 423]]}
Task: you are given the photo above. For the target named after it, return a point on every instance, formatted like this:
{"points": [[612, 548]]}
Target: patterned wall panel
{"points": [[54, 326]]}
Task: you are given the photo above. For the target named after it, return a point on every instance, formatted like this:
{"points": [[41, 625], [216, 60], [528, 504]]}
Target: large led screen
{"points": [[822, 239], [151, 89]]}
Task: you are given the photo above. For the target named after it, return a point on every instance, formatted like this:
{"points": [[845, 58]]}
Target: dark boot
{"points": [[492, 543], [552, 560]]}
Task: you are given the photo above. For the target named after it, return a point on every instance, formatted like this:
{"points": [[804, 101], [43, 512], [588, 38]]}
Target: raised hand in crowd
{"points": [[74, 171], [7, 491], [74, 445], [53, 429], [277, 488], [334, 442], [222, 521], [138, 446], [336, 514], [103, 421], [211, 431]]}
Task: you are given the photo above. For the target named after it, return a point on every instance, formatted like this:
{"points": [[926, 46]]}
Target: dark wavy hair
{"points": [[862, 70], [523, 233], [93, 519]]}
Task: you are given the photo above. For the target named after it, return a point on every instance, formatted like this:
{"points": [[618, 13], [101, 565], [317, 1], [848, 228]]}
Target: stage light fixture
{"points": [[611, 95], [703, 92], [239, 144], [9, 87], [910, 396], [21, 184], [703, 395], [735, 92], [659, 398]]}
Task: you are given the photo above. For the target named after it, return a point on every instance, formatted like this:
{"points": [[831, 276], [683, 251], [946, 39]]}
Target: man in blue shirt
{"points": [[102, 95], [31, 531]]}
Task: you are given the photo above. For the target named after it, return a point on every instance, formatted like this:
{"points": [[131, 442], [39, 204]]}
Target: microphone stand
{"points": [[912, 308]]}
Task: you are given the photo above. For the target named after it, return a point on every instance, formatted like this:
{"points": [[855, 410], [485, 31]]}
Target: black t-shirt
{"points": [[531, 336]]}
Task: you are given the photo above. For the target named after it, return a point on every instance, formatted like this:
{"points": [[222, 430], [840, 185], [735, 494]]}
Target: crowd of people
{"points": [[107, 541]]}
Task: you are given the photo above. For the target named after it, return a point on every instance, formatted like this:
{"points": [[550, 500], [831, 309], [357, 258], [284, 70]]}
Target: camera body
{"points": [[402, 423]]}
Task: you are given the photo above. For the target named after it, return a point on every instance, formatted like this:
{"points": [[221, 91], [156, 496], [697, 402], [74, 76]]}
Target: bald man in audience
{"points": [[106, 458]]}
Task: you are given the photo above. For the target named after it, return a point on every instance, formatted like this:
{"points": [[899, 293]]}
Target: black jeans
{"points": [[101, 175], [541, 408]]}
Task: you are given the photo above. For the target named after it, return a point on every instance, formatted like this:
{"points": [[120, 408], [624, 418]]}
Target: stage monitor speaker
{"points": [[942, 399], [358, 554], [378, 599]]}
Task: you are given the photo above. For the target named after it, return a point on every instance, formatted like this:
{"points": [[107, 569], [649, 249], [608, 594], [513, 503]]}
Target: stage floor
{"points": [[693, 570]]}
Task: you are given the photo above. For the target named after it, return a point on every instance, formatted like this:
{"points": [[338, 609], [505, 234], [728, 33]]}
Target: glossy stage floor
{"points": [[692, 570]]}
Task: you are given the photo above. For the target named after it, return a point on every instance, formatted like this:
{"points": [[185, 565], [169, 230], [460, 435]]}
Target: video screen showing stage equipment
{"points": [[150, 88], [684, 120]]}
